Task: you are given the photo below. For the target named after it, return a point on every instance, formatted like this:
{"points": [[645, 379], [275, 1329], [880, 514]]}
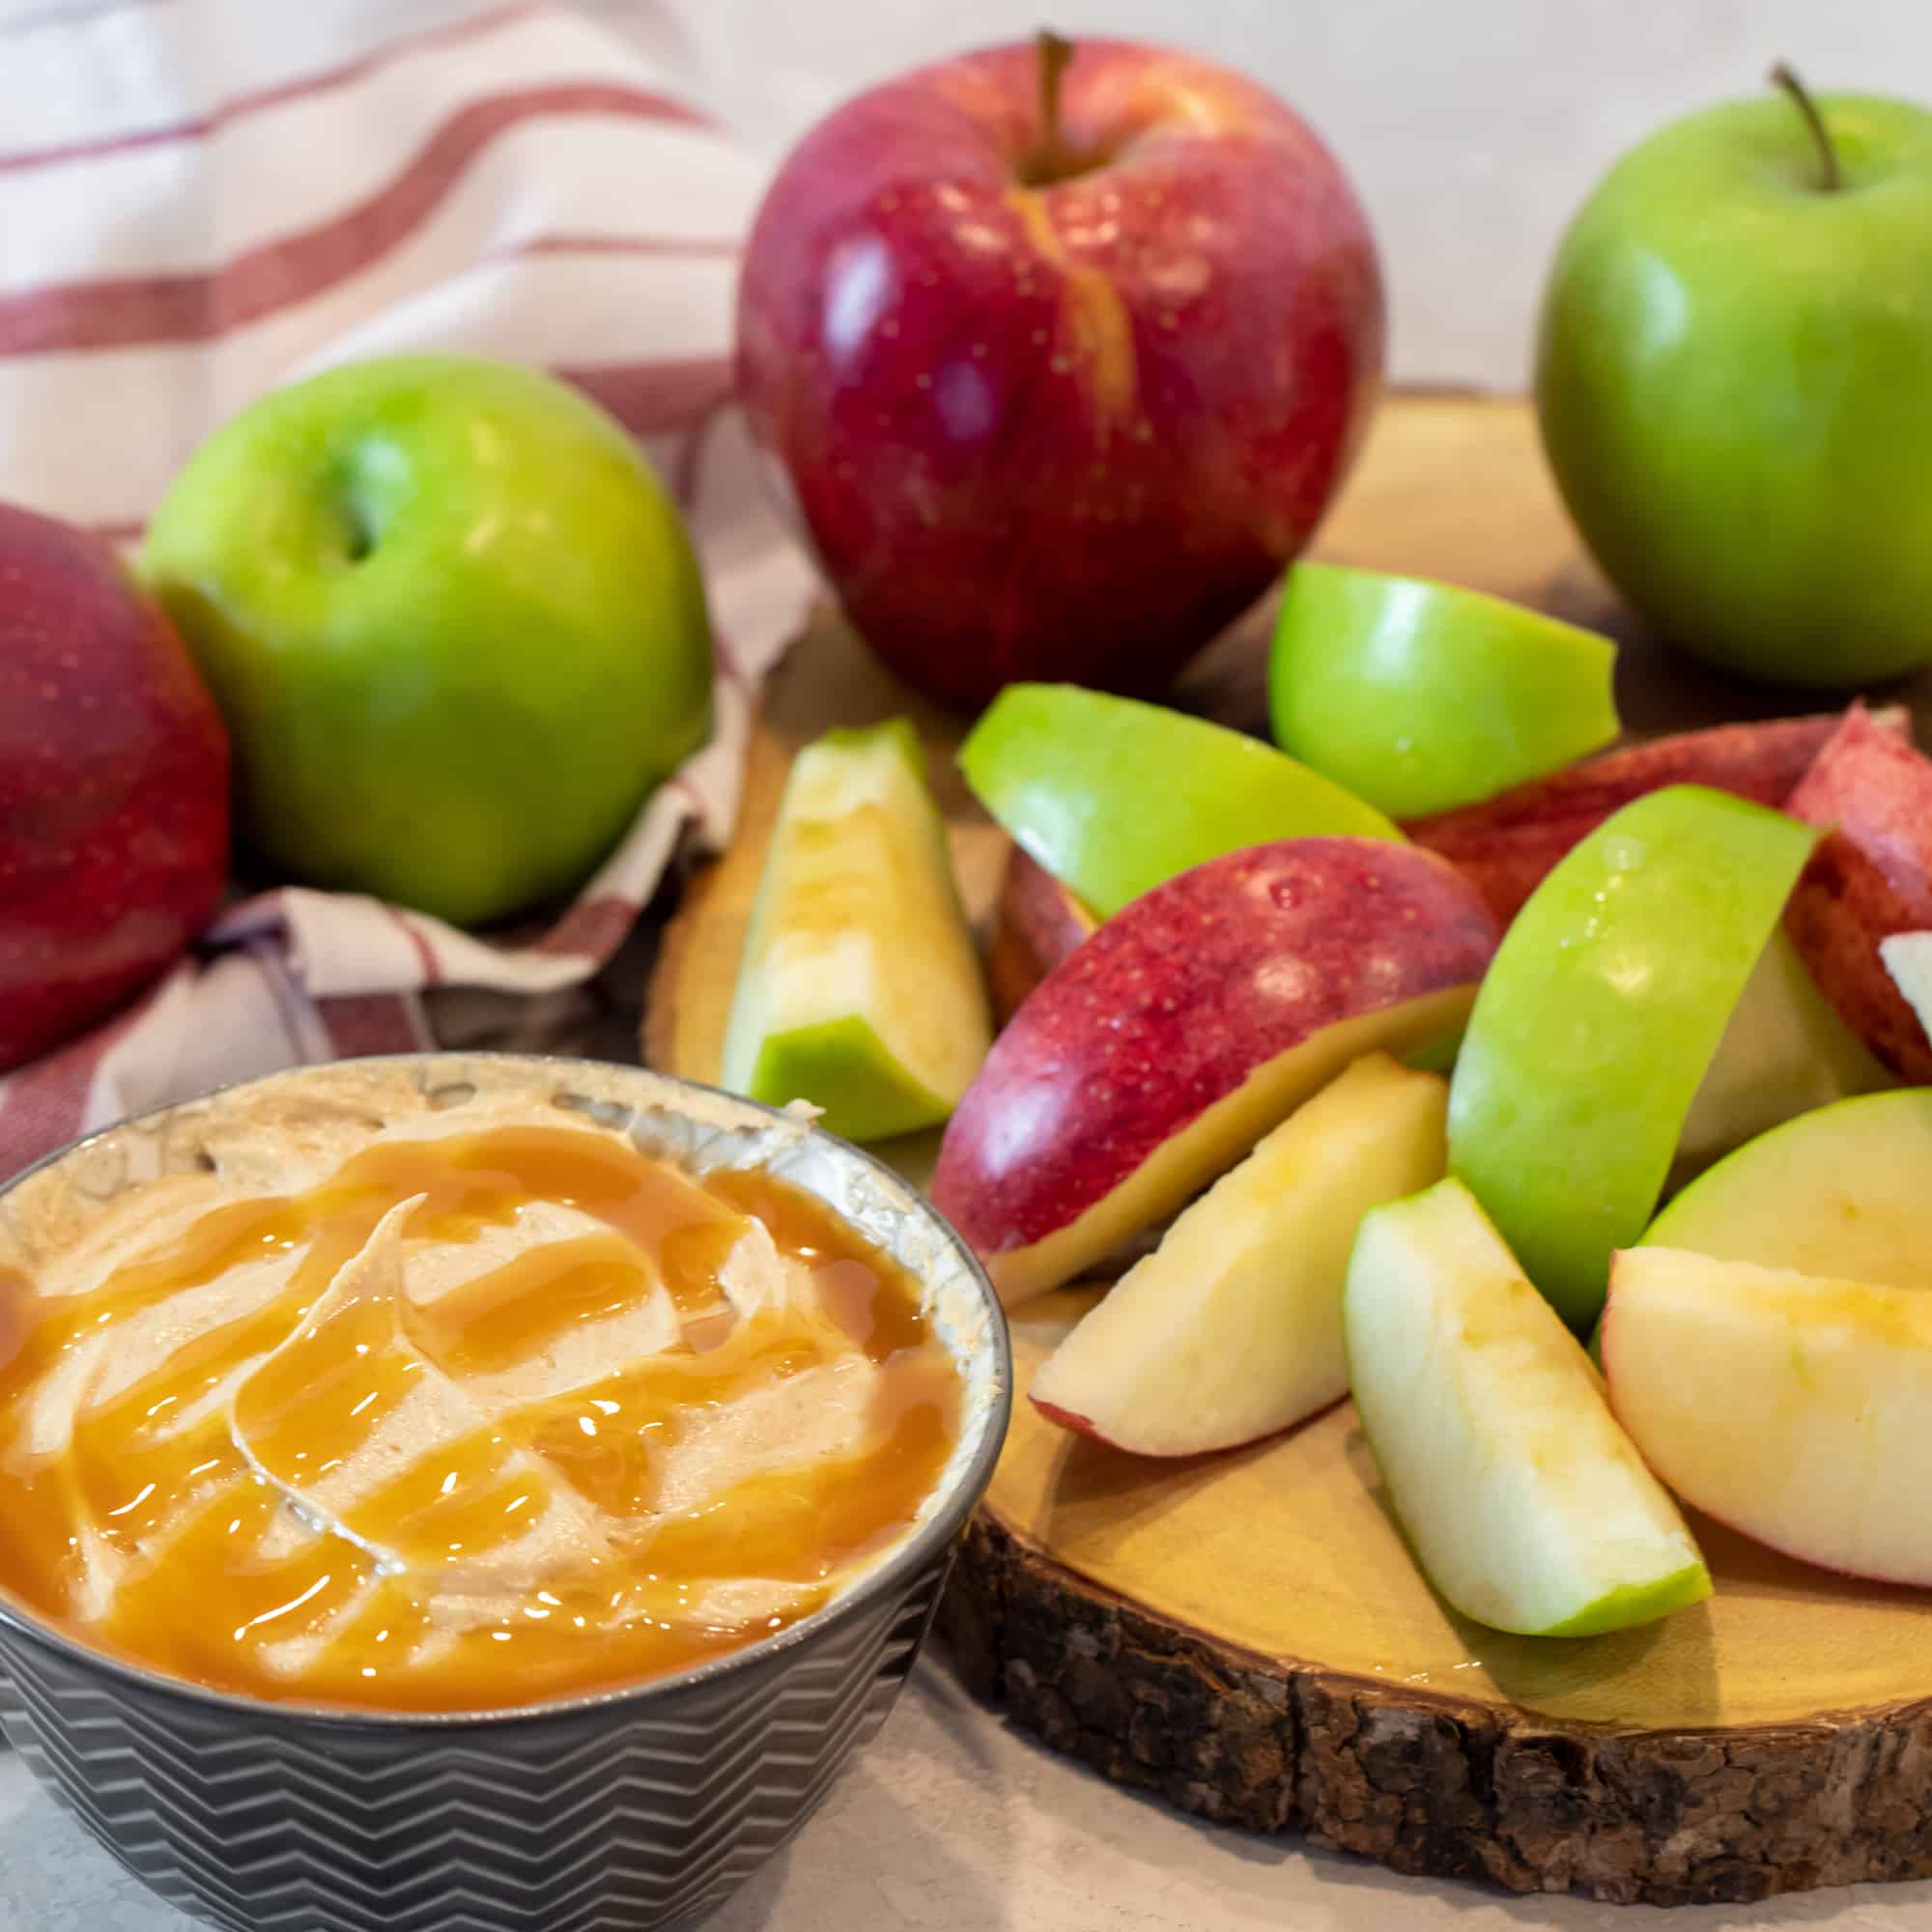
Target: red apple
{"points": [[113, 787], [1063, 351], [1193, 1022], [1037, 923], [1508, 843], [1870, 877]]}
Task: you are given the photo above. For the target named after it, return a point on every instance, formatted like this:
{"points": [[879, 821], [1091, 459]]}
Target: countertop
{"points": [[951, 1822]]}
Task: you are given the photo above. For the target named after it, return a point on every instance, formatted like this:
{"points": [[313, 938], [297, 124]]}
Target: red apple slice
{"points": [[1231, 1328], [1871, 877], [1508, 845], [1791, 1407], [1193, 1021], [1037, 923]]}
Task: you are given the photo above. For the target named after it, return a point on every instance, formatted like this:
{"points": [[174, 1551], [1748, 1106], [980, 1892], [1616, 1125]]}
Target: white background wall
{"points": [[1472, 127]]}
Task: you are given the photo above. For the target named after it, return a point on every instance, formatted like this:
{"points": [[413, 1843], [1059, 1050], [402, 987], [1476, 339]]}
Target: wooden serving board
{"points": [[1245, 1632]]}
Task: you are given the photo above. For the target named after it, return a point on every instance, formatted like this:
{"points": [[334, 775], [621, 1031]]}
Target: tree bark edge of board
{"points": [[1426, 1784]]}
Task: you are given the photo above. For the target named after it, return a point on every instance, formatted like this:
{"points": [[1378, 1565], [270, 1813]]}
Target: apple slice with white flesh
{"points": [[1784, 1051], [859, 989], [1599, 1021], [1791, 1407], [1159, 1054], [1231, 1329], [1526, 1505], [1844, 1190], [1113, 796], [1907, 957]]}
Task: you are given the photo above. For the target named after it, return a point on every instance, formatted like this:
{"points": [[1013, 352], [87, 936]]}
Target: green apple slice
{"points": [[1846, 1190], [1600, 1015], [1421, 696], [1526, 1505], [859, 989], [1113, 796], [1231, 1328]]}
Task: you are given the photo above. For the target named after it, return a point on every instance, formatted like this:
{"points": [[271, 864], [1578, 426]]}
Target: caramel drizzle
{"points": [[206, 1591]]}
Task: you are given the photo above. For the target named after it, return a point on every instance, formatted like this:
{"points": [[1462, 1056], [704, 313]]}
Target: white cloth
{"points": [[201, 200]]}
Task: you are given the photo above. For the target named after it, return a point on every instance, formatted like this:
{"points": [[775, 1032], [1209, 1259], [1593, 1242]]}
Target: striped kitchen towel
{"points": [[200, 199]]}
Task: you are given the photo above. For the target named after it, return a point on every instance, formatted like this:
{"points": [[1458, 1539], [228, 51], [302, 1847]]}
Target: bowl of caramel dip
{"points": [[471, 1492]]}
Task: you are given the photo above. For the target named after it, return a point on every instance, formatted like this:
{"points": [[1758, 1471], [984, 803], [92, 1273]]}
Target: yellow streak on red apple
{"points": [[1094, 315]]}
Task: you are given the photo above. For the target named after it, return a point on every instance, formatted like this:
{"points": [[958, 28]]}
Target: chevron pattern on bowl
{"points": [[584, 1822]]}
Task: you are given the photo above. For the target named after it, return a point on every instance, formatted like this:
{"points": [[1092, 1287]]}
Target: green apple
{"points": [[1113, 796], [1525, 1504], [453, 623], [1421, 696], [1844, 1190], [1734, 381], [859, 989], [1599, 1018]]}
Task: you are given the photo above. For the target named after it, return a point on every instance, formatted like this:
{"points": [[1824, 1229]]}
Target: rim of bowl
{"points": [[927, 1541]]}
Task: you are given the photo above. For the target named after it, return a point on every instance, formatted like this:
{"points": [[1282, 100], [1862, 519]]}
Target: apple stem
{"points": [[1055, 54], [1833, 173]]}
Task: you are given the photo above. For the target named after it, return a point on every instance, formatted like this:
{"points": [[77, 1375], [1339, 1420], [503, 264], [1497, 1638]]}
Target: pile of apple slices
{"points": [[1684, 969], [1252, 971], [1336, 1258]]}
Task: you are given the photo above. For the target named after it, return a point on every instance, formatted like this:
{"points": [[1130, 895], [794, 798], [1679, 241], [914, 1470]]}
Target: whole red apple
{"points": [[113, 787], [1063, 351]]}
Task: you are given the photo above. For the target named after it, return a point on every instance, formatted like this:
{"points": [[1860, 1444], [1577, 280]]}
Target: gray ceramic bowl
{"points": [[629, 1809]]}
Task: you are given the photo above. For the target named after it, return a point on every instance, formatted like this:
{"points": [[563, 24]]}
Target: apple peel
{"points": [[1869, 878], [1510, 844], [1158, 1053]]}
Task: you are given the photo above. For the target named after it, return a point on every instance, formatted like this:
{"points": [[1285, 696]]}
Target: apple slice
{"points": [[1157, 1055], [1509, 844], [1792, 1407], [1231, 1329], [1872, 876], [1113, 796], [859, 989], [1528, 1507], [1844, 1190], [1037, 923], [1421, 696], [1784, 1051], [1596, 1023], [1907, 957]]}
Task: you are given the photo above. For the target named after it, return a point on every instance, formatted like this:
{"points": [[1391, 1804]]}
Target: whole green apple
{"points": [[454, 625], [1734, 381]]}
